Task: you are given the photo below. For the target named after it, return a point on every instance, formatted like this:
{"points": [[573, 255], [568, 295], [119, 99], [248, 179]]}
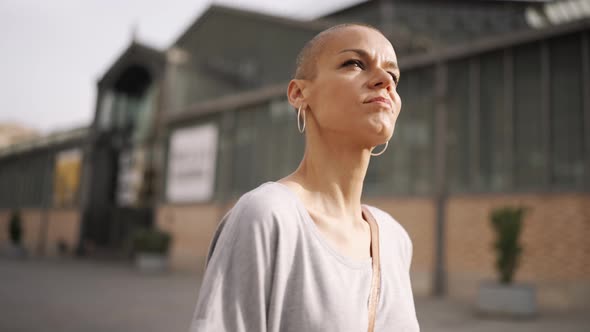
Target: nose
{"points": [[382, 79]]}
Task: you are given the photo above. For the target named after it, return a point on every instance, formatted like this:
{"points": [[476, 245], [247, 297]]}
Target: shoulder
{"points": [[255, 219], [267, 206], [268, 199], [388, 222], [392, 230]]}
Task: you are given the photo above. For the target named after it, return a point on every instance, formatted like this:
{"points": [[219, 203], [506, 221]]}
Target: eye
{"points": [[394, 76], [354, 62]]}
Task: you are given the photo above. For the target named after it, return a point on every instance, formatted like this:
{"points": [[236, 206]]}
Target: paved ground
{"points": [[88, 296]]}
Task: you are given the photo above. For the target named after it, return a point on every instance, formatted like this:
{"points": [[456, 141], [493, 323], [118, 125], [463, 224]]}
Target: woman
{"points": [[295, 254]]}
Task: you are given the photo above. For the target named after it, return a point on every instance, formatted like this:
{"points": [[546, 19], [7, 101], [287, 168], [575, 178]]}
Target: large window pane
{"points": [[493, 168], [567, 162], [262, 158], [252, 162], [458, 126], [286, 143], [529, 154], [244, 148]]}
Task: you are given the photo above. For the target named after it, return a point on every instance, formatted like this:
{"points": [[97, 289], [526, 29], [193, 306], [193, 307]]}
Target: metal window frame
{"points": [[585, 49], [509, 125], [440, 176], [546, 112], [474, 129]]}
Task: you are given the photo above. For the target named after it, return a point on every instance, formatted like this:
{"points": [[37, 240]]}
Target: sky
{"points": [[53, 52]]}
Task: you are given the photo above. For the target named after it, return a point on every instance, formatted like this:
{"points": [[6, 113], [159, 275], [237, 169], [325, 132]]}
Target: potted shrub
{"points": [[505, 296], [151, 249], [15, 232]]}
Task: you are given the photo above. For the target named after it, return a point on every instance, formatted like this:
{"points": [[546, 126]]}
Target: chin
{"points": [[386, 132], [391, 132], [382, 124], [377, 132], [378, 140]]}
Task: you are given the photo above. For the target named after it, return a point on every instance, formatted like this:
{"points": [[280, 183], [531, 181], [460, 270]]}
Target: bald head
{"points": [[307, 58]]}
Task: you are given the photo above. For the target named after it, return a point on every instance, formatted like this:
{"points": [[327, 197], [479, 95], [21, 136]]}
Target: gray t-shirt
{"points": [[270, 269]]}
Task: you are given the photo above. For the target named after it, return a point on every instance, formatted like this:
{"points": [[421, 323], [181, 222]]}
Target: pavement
{"points": [[81, 295]]}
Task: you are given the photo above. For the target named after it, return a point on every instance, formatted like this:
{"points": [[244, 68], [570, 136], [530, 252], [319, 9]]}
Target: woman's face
{"points": [[353, 94]]}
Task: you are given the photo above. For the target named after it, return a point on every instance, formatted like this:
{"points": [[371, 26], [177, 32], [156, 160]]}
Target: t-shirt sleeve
{"points": [[236, 284], [409, 249], [406, 247]]}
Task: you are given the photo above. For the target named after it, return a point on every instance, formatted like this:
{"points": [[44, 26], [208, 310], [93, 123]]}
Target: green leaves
{"points": [[507, 223], [151, 241]]}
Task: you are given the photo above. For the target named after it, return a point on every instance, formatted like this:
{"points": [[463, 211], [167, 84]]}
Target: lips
{"points": [[382, 100]]}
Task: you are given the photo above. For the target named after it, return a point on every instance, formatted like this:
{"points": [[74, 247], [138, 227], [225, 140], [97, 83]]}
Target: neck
{"points": [[331, 175]]}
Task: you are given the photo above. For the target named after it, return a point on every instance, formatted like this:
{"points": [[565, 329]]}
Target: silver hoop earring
{"points": [[301, 130], [380, 153]]}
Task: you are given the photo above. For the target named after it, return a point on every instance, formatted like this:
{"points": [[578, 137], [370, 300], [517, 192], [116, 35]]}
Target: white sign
{"points": [[191, 164]]}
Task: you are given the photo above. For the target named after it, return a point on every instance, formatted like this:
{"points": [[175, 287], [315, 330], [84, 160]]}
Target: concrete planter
{"points": [[512, 300], [151, 263]]}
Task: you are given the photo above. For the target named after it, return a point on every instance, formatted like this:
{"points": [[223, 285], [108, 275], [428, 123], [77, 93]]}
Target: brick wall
{"points": [[191, 227], [64, 227], [61, 225], [417, 216], [556, 241]]}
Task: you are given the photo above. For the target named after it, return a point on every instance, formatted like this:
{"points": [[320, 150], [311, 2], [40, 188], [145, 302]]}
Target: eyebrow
{"points": [[365, 54]]}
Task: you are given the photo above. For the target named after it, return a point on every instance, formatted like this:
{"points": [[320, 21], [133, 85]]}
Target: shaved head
{"points": [[309, 54]]}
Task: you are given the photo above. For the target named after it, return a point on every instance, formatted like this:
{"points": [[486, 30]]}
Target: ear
{"points": [[296, 93]]}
